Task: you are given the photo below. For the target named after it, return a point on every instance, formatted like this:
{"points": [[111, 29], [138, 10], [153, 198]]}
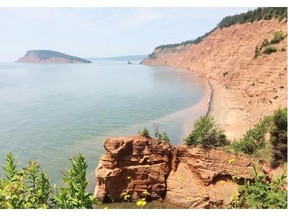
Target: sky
{"points": [[103, 32]]}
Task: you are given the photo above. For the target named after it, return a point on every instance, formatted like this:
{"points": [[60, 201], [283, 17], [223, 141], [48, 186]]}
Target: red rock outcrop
{"points": [[191, 178], [133, 166]]}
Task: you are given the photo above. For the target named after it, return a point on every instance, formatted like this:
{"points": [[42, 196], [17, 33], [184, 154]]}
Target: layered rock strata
{"points": [[189, 177]]}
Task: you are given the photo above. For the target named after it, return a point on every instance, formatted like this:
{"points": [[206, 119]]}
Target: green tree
{"points": [[206, 134]]}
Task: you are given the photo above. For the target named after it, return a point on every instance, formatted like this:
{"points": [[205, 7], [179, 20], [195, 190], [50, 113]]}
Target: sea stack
{"points": [[50, 57]]}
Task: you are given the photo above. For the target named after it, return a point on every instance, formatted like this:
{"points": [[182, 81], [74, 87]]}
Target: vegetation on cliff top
{"points": [[265, 13], [254, 142], [206, 134]]}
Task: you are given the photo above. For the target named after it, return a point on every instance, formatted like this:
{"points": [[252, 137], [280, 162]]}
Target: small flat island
{"points": [[50, 57]]}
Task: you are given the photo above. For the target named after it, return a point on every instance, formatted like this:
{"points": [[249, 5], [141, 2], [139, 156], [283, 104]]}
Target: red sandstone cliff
{"points": [[245, 88], [191, 178]]}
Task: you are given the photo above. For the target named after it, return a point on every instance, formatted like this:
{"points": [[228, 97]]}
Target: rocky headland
{"points": [[248, 83], [50, 57], [189, 177], [245, 88]]}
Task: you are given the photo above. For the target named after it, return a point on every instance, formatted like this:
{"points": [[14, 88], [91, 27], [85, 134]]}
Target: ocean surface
{"points": [[49, 113]]}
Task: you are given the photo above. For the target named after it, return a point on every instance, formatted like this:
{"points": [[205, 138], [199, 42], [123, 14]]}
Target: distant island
{"points": [[49, 56]]}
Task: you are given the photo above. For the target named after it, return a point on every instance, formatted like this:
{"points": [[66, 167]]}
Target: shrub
{"points": [[265, 43], [30, 187], [206, 134], [73, 196], [163, 137], [144, 132], [252, 141], [279, 137], [278, 36], [269, 50], [261, 193], [225, 73], [25, 188], [283, 49]]}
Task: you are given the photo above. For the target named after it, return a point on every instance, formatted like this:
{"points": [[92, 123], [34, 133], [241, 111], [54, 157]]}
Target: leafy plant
{"points": [[144, 132], [27, 188], [279, 137], [252, 141], [206, 134], [269, 50], [160, 136], [278, 36], [262, 193], [73, 195]]}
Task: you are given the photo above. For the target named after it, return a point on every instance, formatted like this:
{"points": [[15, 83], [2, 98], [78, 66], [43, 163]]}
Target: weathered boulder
{"points": [[188, 177]]}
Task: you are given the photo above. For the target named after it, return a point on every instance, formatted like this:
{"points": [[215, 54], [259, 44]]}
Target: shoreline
{"points": [[208, 111], [221, 108]]}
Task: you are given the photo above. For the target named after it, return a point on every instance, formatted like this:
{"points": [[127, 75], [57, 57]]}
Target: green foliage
{"points": [[160, 136], [269, 50], [184, 43], [30, 187], [283, 49], [262, 193], [73, 196], [255, 15], [279, 137], [257, 52], [27, 188], [278, 36], [265, 43], [206, 134], [252, 141], [144, 132], [165, 137]]}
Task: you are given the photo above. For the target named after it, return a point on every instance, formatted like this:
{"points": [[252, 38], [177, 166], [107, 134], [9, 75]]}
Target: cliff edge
{"points": [[49, 56]]}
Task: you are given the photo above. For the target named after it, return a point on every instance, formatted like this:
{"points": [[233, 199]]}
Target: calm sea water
{"points": [[50, 112]]}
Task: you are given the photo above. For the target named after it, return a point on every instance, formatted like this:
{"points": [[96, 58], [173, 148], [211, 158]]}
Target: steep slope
{"points": [[245, 88], [49, 56]]}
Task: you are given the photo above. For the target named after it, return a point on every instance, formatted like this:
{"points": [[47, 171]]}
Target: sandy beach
{"points": [[227, 113]]}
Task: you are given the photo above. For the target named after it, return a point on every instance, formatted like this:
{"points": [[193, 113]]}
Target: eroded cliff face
{"points": [[133, 166], [191, 178], [251, 87]]}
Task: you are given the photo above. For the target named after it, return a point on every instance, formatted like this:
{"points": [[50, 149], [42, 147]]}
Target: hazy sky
{"points": [[102, 32]]}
